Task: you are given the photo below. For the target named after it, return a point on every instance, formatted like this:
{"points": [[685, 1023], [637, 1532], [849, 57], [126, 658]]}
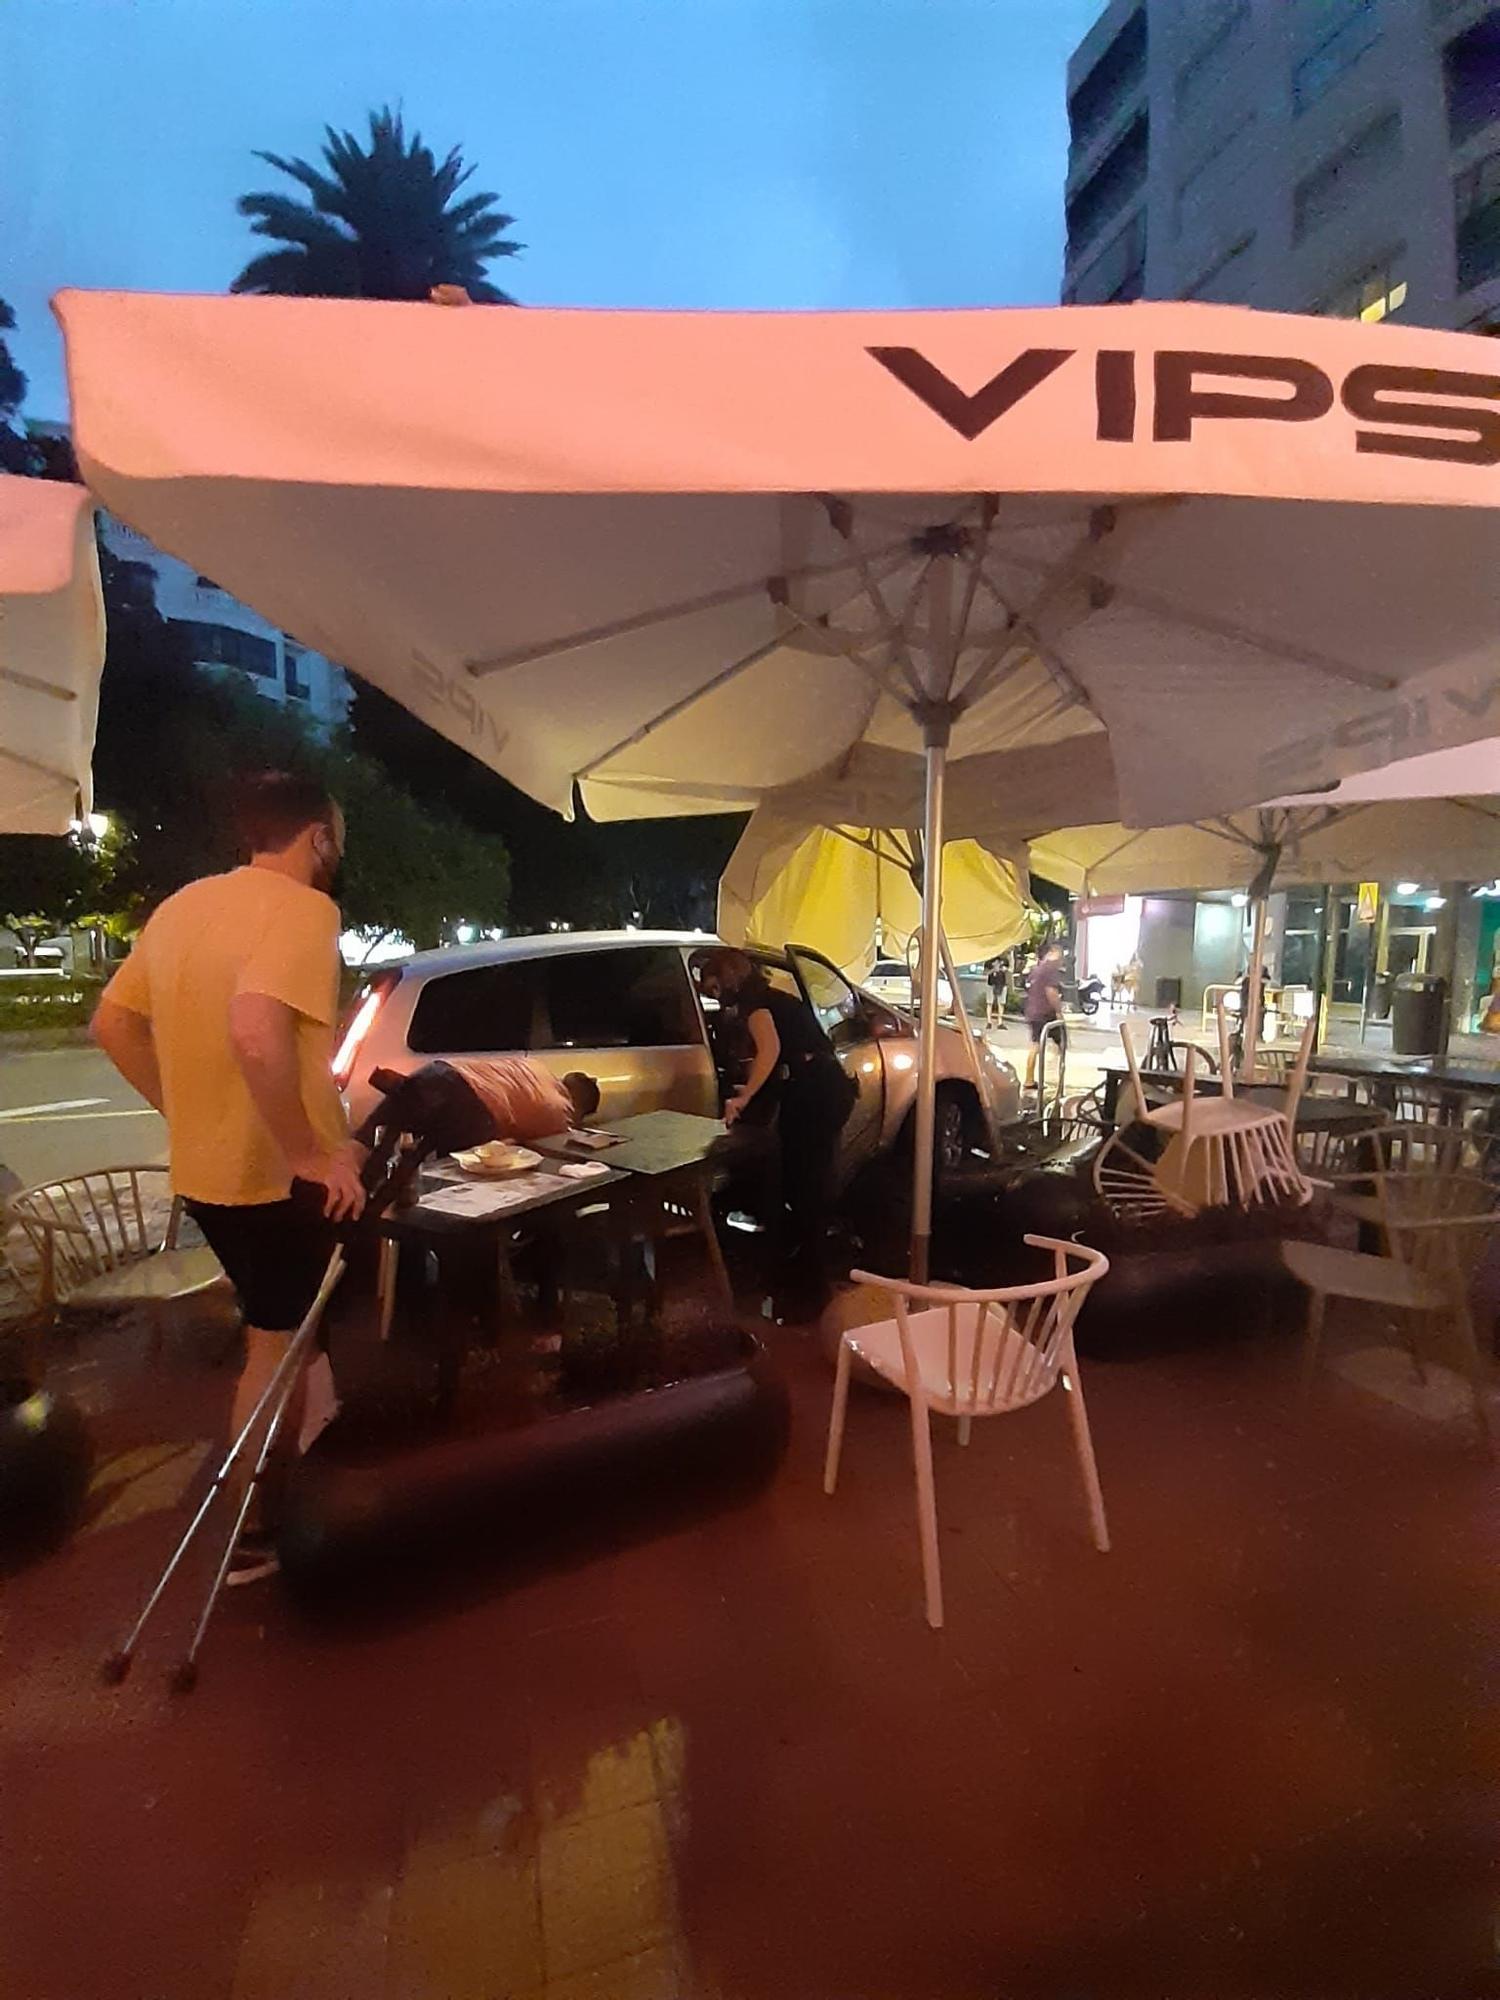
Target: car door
{"points": [[841, 1017], [627, 1016]]}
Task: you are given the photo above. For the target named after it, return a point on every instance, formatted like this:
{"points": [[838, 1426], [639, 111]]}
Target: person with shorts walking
{"points": [[223, 1018], [1043, 1003]]}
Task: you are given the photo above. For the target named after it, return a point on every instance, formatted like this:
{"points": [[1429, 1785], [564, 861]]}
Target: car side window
{"points": [[834, 1000], [634, 998], [484, 1008]]}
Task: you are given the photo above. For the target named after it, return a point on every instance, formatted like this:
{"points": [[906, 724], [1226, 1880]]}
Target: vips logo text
{"points": [[1464, 432]]}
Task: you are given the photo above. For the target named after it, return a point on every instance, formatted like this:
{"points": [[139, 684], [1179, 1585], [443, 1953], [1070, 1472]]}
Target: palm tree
{"points": [[382, 223]]}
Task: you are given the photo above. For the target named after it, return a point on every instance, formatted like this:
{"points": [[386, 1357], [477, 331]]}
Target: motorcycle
{"points": [[1088, 995]]}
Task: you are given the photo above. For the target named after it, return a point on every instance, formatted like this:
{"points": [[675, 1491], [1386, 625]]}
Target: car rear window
{"points": [[635, 998], [484, 1007]]}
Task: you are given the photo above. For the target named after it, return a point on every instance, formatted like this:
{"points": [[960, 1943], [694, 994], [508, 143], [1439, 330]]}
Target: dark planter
{"points": [[503, 1498]]}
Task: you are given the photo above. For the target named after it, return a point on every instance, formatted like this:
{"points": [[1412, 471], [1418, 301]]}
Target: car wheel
{"points": [[951, 1139]]}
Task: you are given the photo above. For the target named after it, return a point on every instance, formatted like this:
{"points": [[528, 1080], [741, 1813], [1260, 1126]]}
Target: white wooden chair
{"points": [[970, 1354], [109, 1238], [1439, 1225], [1224, 1150]]}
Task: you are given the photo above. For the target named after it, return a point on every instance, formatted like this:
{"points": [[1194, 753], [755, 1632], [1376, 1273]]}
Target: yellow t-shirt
{"points": [[251, 931]]}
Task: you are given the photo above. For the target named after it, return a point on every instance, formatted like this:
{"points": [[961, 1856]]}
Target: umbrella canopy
{"points": [[837, 888], [51, 653], [1447, 840], [681, 559]]}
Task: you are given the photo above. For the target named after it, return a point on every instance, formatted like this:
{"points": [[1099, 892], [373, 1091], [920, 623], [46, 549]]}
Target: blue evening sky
{"points": [[697, 153]]}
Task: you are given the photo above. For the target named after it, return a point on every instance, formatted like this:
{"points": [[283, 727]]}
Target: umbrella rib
{"points": [[641, 621], [32, 764], [841, 517], [34, 686], [710, 686], [1216, 628]]}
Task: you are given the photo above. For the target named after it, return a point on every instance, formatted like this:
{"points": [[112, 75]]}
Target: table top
{"points": [[654, 1142], [1421, 1069], [542, 1189]]}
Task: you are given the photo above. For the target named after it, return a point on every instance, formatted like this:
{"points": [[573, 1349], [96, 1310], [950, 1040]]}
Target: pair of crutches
{"points": [[264, 1422], [392, 1166]]}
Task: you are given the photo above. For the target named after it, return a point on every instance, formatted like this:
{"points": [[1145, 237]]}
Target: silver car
{"points": [[624, 1006]]}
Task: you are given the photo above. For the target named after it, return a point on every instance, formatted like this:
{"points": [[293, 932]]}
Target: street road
{"points": [[65, 1110]]}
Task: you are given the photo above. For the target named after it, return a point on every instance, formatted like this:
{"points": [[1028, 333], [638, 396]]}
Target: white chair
{"points": [[970, 1354]]}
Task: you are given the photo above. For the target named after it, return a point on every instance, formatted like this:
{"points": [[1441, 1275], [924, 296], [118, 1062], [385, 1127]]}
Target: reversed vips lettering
{"points": [[1377, 395], [453, 693]]}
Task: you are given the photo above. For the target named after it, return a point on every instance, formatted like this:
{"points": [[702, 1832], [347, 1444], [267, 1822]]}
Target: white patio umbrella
{"points": [[1451, 839], [675, 561], [51, 653]]}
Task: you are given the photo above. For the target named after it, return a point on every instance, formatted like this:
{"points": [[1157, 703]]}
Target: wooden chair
{"points": [[110, 1238], [1438, 1225], [970, 1354], [1223, 1149]]}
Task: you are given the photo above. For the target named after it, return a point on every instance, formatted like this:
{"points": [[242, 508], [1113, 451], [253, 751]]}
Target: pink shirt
{"points": [[525, 1100]]}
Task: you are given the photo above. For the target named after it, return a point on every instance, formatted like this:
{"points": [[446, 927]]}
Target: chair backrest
{"points": [[1005, 1346], [1333, 1152], [1297, 1082], [1441, 1224], [1412, 1146], [88, 1224], [1428, 1103], [1135, 1071], [1226, 1047]]}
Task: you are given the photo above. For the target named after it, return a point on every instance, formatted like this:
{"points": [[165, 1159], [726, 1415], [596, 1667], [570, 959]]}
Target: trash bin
{"points": [[1169, 992], [1417, 1015], [1381, 992]]}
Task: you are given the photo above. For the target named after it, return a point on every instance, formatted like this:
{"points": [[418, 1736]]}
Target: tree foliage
{"points": [[382, 222]]}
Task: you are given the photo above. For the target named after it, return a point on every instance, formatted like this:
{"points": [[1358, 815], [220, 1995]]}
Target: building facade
{"points": [[1314, 156], [227, 635], [1326, 156]]}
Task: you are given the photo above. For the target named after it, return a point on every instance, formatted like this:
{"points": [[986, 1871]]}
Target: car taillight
{"points": [[367, 1004]]}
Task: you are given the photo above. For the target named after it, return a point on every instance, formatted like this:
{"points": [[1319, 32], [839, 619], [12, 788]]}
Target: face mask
{"points": [[330, 869]]}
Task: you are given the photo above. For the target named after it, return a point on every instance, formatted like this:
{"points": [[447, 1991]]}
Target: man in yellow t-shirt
{"points": [[223, 1018]]}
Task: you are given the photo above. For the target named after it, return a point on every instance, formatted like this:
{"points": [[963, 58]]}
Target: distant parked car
{"points": [[625, 1007], [890, 981]]}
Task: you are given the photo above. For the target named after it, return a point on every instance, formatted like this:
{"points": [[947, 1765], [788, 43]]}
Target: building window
{"points": [[228, 646], [1350, 173], [1119, 177], [1471, 78], [1345, 39], [297, 685], [1477, 216], [1374, 294], [1212, 62], [1226, 280], [1118, 73], [1215, 170], [1118, 273]]}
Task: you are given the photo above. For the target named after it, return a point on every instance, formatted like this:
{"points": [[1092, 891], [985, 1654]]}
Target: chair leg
{"points": [[965, 1426], [1408, 1325], [932, 1574], [836, 1417], [1474, 1364], [385, 1285], [1316, 1306], [1083, 1443]]}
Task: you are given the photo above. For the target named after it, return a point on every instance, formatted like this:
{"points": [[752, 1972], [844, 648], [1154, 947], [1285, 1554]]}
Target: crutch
{"points": [[275, 1397]]}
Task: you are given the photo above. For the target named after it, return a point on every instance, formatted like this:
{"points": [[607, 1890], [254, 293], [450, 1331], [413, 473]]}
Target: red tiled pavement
{"points": [[1251, 1752]]}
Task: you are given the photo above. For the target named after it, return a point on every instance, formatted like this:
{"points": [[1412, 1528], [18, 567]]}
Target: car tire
{"points": [[959, 1129]]}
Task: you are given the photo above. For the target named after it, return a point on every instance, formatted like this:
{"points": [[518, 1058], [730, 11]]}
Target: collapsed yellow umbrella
{"points": [[51, 653], [840, 889]]}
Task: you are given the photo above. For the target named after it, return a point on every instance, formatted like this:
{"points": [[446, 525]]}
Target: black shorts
{"points": [[274, 1253], [1036, 1027]]}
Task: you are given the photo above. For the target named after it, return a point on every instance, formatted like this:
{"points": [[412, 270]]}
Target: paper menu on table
{"points": [[491, 1197]]}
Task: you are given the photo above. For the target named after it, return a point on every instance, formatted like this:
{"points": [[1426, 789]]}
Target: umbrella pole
{"points": [[971, 1046], [1250, 1027], [936, 726]]}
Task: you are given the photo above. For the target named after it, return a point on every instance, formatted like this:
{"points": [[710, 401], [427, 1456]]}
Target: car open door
{"points": [[841, 1015]]}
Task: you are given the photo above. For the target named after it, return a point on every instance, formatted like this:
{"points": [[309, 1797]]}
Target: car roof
{"points": [[546, 944]]}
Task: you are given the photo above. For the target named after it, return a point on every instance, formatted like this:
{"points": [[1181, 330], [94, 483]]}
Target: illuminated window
{"points": [[1375, 294]]}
